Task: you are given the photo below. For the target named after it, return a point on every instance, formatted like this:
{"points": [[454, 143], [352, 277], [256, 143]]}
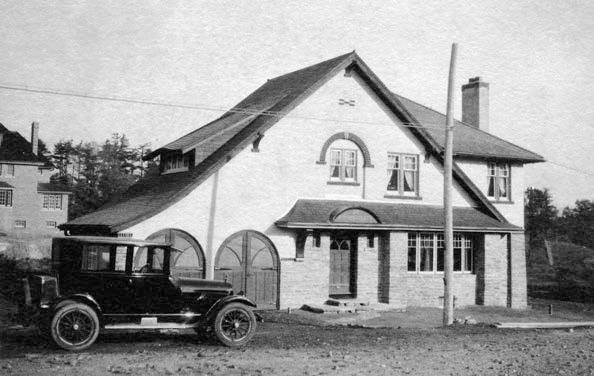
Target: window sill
{"points": [[439, 273], [352, 183], [503, 202], [294, 259], [403, 197]]}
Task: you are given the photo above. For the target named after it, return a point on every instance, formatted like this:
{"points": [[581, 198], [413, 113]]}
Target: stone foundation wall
{"points": [[426, 290]]}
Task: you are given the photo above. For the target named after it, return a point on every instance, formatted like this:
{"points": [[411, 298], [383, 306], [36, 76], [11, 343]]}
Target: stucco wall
{"points": [[513, 209], [254, 189]]}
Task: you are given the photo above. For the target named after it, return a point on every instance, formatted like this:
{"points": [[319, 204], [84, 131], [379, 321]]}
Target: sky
{"points": [[537, 56]]}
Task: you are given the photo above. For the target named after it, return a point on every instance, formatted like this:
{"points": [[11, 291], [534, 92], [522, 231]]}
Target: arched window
{"points": [[190, 260], [350, 137]]}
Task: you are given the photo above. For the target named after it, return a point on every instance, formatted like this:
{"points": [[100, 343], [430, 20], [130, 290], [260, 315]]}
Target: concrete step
{"points": [[344, 309], [346, 302]]}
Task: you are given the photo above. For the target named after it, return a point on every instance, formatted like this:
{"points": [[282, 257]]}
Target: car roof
{"points": [[113, 240]]}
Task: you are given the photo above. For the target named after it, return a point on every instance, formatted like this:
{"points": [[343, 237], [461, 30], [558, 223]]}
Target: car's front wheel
{"points": [[234, 325], [75, 326]]}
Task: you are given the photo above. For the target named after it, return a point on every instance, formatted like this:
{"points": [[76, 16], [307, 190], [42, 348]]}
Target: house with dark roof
{"points": [[323, 183], [31, 208]]}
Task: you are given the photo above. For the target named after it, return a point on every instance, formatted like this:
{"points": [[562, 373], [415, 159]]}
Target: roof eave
{"points": [[394, 227], [490, 157]]}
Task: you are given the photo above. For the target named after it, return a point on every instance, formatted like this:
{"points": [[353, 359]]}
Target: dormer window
{"points": [[176, 163]]}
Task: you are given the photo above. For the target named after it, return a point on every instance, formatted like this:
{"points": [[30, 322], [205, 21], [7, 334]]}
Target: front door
{"points": [[342, 266], [249, 262]]}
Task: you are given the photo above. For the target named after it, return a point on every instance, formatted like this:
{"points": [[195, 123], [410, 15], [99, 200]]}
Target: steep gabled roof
{"points": [[469, 141], [15, 149], [223, 138]]}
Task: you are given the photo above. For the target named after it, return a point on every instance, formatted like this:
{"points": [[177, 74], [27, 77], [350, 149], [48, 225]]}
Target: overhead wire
{"points": [[439, 127], [202, 107]]}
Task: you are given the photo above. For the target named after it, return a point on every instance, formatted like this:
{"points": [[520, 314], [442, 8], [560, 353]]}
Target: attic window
{"points": [[176, 163]]}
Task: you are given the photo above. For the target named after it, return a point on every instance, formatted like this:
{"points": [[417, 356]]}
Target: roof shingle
{"points": [[14, 148], [237, 128], [310, 213]]}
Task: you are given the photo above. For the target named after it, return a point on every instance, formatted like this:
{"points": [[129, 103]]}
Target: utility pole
{"points": [[448, 236]]}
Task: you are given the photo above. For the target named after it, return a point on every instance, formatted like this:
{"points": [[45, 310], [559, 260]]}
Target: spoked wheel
{"points": [[235, 325], [75, 327]]}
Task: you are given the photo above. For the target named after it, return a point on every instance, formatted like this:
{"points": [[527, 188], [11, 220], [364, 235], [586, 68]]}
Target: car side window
{"points": [[120, 258], [148, 260], [95, 257], [103, 258]]}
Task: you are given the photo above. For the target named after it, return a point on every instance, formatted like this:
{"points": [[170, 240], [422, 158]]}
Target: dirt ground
{"points": [[304, 344]]}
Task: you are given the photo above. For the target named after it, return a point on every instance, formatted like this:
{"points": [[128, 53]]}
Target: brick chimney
{"points": [[35, 137], [475, 103]]}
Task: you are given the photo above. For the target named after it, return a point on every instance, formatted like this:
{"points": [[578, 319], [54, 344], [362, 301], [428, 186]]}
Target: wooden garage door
{"points": [[249, 261]]}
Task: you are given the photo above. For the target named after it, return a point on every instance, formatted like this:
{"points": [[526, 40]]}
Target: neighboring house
{"points": [[31, 209], [322, 183]]}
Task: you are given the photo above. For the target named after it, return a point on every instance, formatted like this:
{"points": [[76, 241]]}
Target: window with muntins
{"points": [[426, 253], [52, 201], [403, 174], [176, 163], [19, 223], [6, 197], [343, 165], [498, 181], [6, 169]]}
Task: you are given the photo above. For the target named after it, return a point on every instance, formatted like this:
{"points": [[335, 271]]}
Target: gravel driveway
{"points": [[291, 347]]}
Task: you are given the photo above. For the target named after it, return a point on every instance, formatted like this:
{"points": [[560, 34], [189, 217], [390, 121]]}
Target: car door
{"points": [[103, 275], [153, 289]]}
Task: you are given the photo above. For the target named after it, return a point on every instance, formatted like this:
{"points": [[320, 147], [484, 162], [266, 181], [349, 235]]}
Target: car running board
{"points": [[150, 324]]}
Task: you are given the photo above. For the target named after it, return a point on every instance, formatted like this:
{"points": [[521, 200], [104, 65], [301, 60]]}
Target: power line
{"points": [[573, 169], [233, 110], [439, 127]]}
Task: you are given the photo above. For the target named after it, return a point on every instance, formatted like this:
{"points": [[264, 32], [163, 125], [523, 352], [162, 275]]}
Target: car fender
{"points": [[84, 298], [212, 312]]}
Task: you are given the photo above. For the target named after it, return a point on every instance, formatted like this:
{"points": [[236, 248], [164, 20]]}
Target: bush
{"points": [[12, 271]]}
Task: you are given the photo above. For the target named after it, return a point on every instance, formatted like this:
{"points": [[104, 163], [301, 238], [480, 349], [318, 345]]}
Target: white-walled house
{"points": [[323, 183]]}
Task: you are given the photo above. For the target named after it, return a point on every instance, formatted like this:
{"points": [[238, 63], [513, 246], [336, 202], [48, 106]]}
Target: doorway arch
{"points": [[190, 262], [249, 261]]}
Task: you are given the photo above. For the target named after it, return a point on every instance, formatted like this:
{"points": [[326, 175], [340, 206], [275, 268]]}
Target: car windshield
{"points": [[174, 257]]}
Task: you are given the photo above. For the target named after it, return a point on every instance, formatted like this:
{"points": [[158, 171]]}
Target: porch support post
{"points": [[397, 243], [517, 273]]}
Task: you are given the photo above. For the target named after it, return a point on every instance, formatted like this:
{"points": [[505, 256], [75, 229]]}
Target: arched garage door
{"points": [[190, 262], [248, 260]]}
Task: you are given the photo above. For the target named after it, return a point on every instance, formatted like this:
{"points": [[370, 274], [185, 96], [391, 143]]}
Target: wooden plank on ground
{"points": [[543, 325]]}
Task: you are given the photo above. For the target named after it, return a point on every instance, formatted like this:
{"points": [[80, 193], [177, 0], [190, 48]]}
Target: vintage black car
{"points": [[102, 283]]}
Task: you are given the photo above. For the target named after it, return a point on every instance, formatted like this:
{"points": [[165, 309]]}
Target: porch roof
{"points": [[366, 215]]}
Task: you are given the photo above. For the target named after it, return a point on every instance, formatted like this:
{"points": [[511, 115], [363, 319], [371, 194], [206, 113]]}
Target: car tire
{"points": [[75, 326], [234, 325]]}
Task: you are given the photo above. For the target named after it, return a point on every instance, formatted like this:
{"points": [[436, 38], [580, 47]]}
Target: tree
{"points": [[578, 223], [540, 216], [97, 174]]}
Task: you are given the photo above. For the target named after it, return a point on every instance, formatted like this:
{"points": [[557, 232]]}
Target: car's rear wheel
{"points": [[75, 326], [234, 325]]}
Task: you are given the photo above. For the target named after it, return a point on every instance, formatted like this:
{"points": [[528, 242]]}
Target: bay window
{"points": [[426, 253]]}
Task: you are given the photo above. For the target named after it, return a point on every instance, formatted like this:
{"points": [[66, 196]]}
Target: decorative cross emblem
{"points": [[346, 102]]}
